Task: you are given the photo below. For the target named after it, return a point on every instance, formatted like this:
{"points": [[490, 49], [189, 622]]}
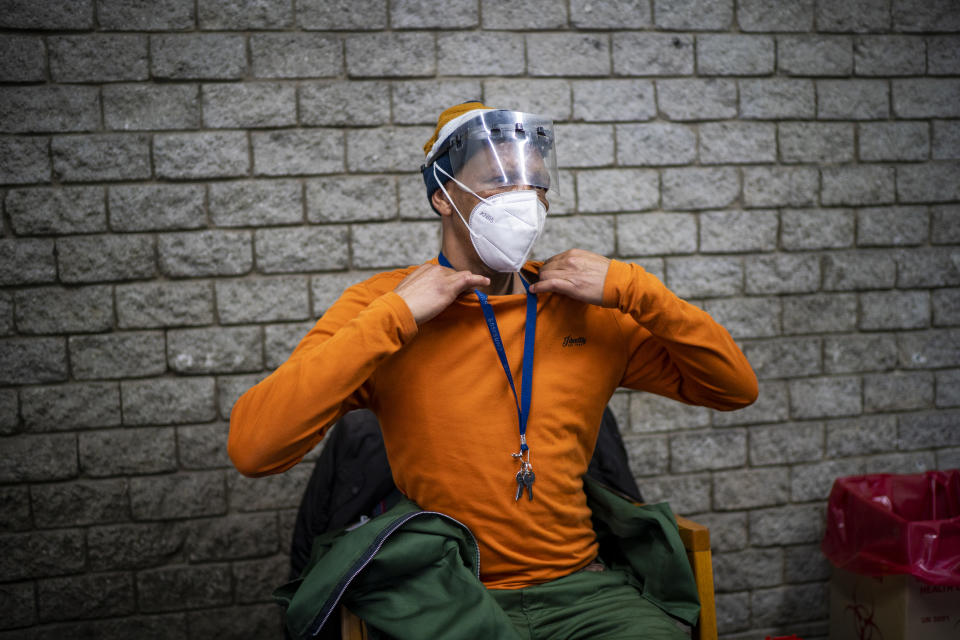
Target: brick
{"points": [[562, 199], [40, 554], [351, 199], [862, 352], [648, 455], [691, 15], [652, 54], [550, 97], [655, 144], [825, 397], [948, 388], [782, 273], [617, 190], [86, 596], [815, 55], [861, 436], [301, 249], [412, 14], [816, 228], [97, 258], [918, 462], [393, 244], [113, 156], [262, 300], [631, 14], [326, 288], [897, 391], [946, 307], [280, 340], [70, 406], [925, 15], [269, 492], [699, 188], [56, 211], [61, 310], [734, 54], [295, 55], [326, 16], [697, 99], [795, 524], [15, 515], [22, 14], [585, 145], [852, 99], [32, 360], [127, 451], [751, 488], [38, 458], [592, 233], [82, 502], [708, 451], [943, 55], [390, 55], [770, 15], [779, 186], [738, 231], [163, 304], [229, 390], [345, 103], [24, 160], [249, 105], [134, 546], [894, 141], [858, 16], [6, 314], [926, 98], [163, 15], [858, 270], [945, 224], [651, 413], [929, 349], [746, 317], [22, 59], [17, 605], [946, 140], [201, 446], [216, 350], [9, 412], [205, 253], [568, 54], [49, 109], [818, 142], [948, 458], [687, 494], [126, 354], [257, 621], [737, 142], [771, 406], [245, 15], [475, 53], [608, 100], [656, 234], [257, 203], [892, 226], [705, 276], [733, 609], [231, 537], [201, 155], [198, 56], [297, 152], [176, 588], [889, 56], [98, 58], [786, 443], [256, 579], [500, 14], [935, 267], [820, 313], [795, 603], [168, 401], [181, 495], [774, 98], [857, 185], [728, 531], [814, 481], [749, 568], [784, 357], [421, 101], [156, 207], [935, 182]]}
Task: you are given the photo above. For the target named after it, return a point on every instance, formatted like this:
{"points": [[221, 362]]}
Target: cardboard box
{"points": [[898, 607]]}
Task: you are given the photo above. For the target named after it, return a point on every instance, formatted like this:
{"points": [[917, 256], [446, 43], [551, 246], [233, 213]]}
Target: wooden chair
{"points": [[696, 540]]}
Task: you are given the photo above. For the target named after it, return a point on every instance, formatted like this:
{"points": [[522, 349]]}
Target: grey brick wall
{"points": [[186, 185]]}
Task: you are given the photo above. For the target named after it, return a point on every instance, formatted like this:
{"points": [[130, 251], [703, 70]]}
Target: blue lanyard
{"points": [[529, 335]]}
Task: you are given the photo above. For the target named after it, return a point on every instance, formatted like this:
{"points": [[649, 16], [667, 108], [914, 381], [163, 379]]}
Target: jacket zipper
{"points": [[378, 542]]}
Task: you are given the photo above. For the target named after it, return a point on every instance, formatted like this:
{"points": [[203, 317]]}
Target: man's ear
{"points": [[440, 203]]}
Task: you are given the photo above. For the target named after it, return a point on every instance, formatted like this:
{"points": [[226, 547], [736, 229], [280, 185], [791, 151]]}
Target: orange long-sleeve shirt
{"points": [[449, 419]]}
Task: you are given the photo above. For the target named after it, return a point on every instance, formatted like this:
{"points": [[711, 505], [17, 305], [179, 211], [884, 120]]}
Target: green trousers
{"points": [[587, 604]]}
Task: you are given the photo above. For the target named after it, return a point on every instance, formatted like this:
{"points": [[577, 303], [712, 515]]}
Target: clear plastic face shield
{"points": [[500, 150]]}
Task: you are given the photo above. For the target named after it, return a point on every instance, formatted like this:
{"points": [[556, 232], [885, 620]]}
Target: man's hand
{"points": [[431, 288], [575, 273]]}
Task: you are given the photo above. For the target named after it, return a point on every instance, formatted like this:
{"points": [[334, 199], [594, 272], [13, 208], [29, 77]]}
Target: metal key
{"points": [[520, 485], [528, 478]]}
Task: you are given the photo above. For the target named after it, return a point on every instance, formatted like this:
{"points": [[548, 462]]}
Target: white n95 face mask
{"points": [[504, 227]]}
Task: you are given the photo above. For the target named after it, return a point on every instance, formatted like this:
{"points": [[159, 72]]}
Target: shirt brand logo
{"points": [[570, 341]]}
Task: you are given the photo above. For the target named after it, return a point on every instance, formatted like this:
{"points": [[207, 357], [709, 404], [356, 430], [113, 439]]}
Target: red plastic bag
{"points": [[884, 523]]}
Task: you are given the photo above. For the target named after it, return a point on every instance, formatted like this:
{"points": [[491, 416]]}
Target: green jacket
{"points": [[415, 573]]}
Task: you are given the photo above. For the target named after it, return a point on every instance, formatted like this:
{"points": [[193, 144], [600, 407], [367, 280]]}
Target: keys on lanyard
{"points": [[525, 478]]}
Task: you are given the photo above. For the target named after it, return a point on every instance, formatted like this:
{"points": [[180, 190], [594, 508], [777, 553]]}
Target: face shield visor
{"points": [[499, 149]]}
